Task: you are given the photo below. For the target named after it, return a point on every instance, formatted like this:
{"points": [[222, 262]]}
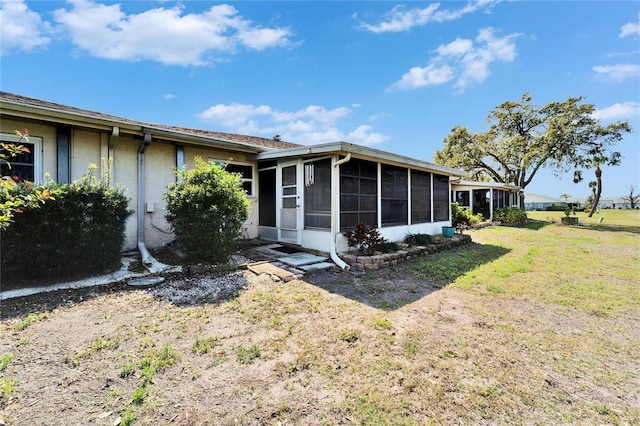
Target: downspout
{"points": [[334, 214], [151, 264], [115, 133]]}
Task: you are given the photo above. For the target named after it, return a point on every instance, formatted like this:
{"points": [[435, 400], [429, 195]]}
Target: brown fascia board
{"points": [[35, 109], [360, 151]]}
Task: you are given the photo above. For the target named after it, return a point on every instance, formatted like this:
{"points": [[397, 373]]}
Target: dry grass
{"points": [[539, 326]]}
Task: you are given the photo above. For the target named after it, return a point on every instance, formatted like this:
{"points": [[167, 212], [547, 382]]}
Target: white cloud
{"points": [[463, 60], [430, 75], [401, 19], [168, 36], [618, 111], [363, 135], [234, 115], [310, 125], [21, 29], [169, 96], [618, 72], [632, 28]]}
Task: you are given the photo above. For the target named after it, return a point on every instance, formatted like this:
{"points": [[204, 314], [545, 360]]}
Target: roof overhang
{"points": [[491, 184], [132, 128], [359, 151]]}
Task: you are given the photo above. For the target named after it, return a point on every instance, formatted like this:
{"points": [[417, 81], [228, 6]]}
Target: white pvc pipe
{"points": [[334, 215], [148, 261]]}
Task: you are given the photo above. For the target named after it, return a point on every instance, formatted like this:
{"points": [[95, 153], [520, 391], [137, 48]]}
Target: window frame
{"points": [[243, 180], [359, 198], [36, 152], [394, 196], [439, 206], [317, 194], [418, 203]]}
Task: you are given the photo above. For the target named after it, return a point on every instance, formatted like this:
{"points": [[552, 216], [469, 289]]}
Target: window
{"points": [[462, 198], [498, 199], [244, 170], [27, 165], [358, 194], [420, 197], [440, 198], [317, 194], [394, 197]]}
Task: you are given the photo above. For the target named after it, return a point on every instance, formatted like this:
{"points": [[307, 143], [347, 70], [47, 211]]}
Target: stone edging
{"points": [[372, 263]]}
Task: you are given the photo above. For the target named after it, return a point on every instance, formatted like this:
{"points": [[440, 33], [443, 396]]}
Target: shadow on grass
{"points": [[394, 287], [535, 225], [612, 228]]}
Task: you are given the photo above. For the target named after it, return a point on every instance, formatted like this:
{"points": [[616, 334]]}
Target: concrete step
{"points": [[301, 259]]}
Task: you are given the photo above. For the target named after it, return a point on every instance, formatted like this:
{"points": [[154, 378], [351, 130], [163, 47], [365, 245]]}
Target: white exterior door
{"points": [[289, 221]]}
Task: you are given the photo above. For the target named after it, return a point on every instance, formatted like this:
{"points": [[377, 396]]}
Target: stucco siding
{"points": [[125, 173], [160, 163], [191, 153], [85, 150]]}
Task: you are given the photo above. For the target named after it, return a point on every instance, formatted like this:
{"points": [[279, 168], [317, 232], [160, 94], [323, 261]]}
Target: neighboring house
{"points": [[541, 202], [303, 195], [485, 197], [605, 202]]}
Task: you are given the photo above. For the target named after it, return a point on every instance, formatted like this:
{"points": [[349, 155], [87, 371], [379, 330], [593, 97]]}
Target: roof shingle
{"points": [[233, 137]]}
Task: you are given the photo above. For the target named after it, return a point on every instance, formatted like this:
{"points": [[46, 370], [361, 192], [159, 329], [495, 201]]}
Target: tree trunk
{"points": [[597, 192]]}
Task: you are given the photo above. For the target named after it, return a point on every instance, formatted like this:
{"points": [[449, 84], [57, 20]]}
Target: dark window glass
{"points": [[420, 197], [317, 195], [441, 203], [462, 198], [20, 167], [246, 172], [289, 176], [496, 199], [267, 194], [358, 194], [349, 202], [394, 196], [246, 175], [368, 202]]}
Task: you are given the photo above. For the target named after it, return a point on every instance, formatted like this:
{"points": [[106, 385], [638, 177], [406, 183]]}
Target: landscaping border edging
{"points": [[375, 262]]}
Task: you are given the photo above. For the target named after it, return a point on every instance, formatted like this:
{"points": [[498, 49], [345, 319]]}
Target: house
{"points": [[541, 202], [302, 195], [485, 197], [604, 202]]}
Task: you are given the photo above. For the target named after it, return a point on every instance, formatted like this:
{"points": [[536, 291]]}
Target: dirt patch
{"points": [[334, 348]]}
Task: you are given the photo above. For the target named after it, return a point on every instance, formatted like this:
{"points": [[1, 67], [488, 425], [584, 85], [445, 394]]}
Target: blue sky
{"points": [[396, 76]]}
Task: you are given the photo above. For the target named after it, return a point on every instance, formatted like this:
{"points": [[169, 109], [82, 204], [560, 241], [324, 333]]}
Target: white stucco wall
{"points": [[85, 150]]}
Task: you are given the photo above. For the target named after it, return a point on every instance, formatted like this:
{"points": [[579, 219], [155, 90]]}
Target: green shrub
{"points": [[463, 216], [367, 240], [510, 215], [207, 209], [419, 240], [389, 247], [80, 231], [555, 208]]}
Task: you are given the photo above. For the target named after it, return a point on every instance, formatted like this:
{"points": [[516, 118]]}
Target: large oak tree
{"points": [[524, 138]]}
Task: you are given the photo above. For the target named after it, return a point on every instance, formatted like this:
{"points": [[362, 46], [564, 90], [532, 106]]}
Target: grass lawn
{"points": [[535, 325]]}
